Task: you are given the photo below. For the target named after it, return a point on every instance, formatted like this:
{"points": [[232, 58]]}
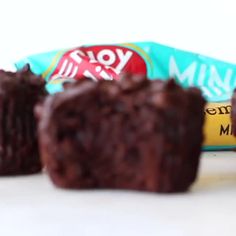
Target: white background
{"points": [[31, 206], [204, 26]]}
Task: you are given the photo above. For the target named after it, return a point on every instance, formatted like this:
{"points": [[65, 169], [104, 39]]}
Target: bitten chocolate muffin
{"points": [[130, 134], [19, 92]]}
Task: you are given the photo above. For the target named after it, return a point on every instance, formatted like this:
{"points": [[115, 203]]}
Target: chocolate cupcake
{"points": [[19, 92], [128, 134]]}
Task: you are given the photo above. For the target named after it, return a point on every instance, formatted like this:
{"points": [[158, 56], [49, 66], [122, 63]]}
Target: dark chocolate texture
{"points": [[128, 134], [19, 92]]}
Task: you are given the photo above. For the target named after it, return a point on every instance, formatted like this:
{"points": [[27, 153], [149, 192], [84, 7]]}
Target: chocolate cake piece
{"points": [[128, 134], [19, 92]]}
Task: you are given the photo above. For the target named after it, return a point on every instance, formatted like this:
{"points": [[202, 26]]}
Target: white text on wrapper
{"points": [[203, 75], [106, 57]]}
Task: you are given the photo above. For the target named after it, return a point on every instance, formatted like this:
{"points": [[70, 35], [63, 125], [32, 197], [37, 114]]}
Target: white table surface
{"points": [[32, 206]]}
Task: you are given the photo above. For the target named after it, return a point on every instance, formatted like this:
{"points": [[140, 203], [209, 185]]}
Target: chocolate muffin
{"points": [[19, 92], [128, 134], [233, 112]]}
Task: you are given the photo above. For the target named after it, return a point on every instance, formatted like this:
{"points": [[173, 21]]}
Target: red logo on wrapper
{"points": [[99, 62]]}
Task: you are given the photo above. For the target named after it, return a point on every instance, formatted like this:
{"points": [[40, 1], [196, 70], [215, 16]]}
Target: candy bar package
{"points": [[215, 78]]}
